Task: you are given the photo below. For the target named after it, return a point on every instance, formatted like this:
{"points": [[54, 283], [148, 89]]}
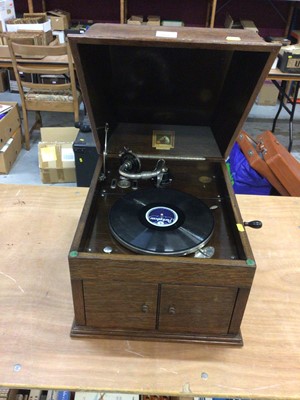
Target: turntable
{"points": [[161, 251]]}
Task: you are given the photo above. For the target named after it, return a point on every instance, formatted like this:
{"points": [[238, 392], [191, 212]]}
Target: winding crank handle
{"points": [[254, 224]]}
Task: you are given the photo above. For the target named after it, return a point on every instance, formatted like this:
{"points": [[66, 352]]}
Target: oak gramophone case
{"points": [[161, 251]]}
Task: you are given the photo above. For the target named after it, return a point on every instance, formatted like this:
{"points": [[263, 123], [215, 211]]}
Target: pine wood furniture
{"points": [[37, 226], [58, 97], [5, 61]]}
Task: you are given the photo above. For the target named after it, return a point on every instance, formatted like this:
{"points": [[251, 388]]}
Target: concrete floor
{"points": [[26, 170]]}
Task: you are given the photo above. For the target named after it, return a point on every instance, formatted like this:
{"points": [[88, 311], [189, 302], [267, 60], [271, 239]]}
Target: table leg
{"points": [[294, 103], [283, 95], [282, 91]]}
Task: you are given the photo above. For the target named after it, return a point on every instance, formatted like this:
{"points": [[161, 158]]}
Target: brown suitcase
{"points": [[257, 162], [284, 166]]}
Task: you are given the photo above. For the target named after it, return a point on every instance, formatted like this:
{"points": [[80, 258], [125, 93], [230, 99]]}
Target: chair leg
{"points": [[38, 118], [37, 123], [26, 130], [76, 115]]}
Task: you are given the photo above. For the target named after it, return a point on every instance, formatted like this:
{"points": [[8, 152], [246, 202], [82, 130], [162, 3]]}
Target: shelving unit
{"points": [[210, 14], [211, 11], [210, 17]]}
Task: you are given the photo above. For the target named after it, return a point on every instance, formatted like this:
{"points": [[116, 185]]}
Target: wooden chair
{"points": [[37, 96]]}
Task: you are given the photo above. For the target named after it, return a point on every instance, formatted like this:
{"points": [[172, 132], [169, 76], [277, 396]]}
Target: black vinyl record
{"points": [[161, 221]]}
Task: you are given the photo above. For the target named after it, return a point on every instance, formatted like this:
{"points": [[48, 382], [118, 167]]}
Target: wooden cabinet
{"points": [[196, 309], [144, 83], [156, 298], [111, 305], [165, 308]]}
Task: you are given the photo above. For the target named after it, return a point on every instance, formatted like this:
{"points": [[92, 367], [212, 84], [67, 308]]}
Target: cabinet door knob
{"points": [[172, 310], [145, 308]]}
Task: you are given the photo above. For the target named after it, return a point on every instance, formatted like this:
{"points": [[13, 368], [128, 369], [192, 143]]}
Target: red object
{"points": [[283, 165]]}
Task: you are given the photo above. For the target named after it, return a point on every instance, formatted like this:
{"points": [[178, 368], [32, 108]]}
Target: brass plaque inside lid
{"points": [[163, 140]]}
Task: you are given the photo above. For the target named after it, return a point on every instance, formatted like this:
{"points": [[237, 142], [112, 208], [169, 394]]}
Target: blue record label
{"points": [[162, 217]]}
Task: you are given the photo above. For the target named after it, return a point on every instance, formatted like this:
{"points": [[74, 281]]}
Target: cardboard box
{"points": [[153, 20], [172, 23], [135, 20], [7, 11], [56, 156], [4, 51], [43, 26], [9, 123], [9, 152], [60, 20], [27, 37], [248, 24], [40, 16], [32, 37], [45, 33], [105, 396], [3, 80], [268, 94]]}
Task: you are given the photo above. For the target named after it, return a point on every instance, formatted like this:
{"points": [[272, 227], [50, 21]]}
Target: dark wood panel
{"points": [[158, 269], [87, 331], [78, 301], [115, 305], [196, 309], [239, 309], [188, 176]]}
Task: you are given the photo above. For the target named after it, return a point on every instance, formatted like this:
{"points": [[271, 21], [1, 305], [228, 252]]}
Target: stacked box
{"points": [[56, 156], [60, 20], [268, 94], [7, 11], [10, 137]]}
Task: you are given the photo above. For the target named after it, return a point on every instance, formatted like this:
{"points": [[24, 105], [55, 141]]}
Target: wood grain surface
{"points": [[36, 311]]}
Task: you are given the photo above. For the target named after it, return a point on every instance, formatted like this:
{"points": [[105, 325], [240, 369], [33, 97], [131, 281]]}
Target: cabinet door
{"points": [[120, 305], [196, 309]]}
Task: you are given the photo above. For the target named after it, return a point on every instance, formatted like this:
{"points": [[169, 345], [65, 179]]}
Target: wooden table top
{"points": [[36, 311], [276, 74]]}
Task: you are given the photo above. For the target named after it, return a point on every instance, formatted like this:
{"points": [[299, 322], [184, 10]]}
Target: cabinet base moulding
{"points": [[83, 331]]}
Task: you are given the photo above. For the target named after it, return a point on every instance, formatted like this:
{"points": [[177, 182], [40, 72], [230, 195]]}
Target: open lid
{"points": [[171, 76]]}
